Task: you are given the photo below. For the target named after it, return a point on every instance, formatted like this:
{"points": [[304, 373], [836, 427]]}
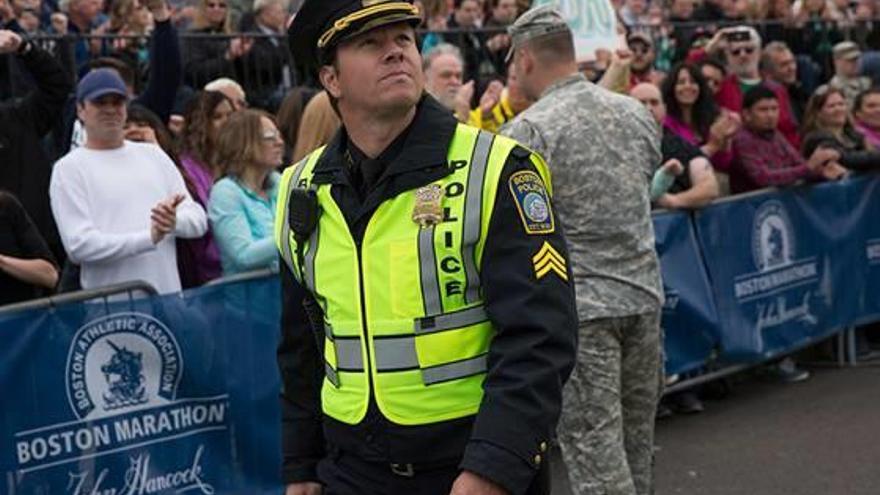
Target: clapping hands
{"points": [[163, 217]]}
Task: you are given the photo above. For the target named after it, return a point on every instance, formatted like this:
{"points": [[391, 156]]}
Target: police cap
{"points": [[320, 25]]}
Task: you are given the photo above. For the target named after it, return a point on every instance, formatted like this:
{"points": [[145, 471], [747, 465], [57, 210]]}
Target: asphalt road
{"points": [[819, 437]]}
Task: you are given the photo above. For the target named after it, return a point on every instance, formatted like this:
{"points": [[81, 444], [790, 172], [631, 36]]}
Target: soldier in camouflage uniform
{"points": [[601, 148]]}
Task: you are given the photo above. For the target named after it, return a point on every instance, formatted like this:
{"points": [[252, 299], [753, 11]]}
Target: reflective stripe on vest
{"points": [[473, 213], [406, 307]]}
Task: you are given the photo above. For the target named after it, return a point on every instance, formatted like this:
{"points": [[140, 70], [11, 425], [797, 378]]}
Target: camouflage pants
{"points": [[606, 431]]}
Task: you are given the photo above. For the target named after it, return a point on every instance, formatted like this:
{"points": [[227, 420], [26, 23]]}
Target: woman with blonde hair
{"points": [[827, 124], [208, 55], [242, 205], [319, 124]]}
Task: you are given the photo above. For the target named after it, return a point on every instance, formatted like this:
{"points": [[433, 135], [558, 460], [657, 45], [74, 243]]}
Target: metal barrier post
{"points": [[851, 346], [841, 350]]}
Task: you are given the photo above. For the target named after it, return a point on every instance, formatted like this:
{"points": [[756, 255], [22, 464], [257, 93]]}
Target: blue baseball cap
{"points": [[98, 83]]}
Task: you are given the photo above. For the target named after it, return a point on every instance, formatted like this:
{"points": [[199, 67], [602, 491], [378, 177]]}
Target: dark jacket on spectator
{"points": [[479, 63], [15, 80], [25, 166], [205, 58], [797, 100], [19, 238], [166, 71], [867, 35], [854, 153], [816, 39], [264, 70], [673, 146]]}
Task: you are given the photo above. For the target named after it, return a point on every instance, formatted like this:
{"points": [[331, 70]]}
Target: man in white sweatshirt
{"points": [[118, 204]]}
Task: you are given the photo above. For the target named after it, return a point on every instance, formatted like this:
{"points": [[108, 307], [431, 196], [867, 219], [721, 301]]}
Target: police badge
{"points": [[428, 209]]}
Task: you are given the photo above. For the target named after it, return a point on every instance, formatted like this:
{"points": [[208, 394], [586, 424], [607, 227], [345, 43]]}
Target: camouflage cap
{"points": [[535, 23], [846, 50]]}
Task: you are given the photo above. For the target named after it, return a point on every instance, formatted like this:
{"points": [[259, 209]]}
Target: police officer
{"points": [[429, 319], [603, 148]]}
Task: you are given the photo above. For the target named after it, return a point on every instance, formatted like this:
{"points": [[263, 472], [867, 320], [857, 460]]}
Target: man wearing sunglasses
{"points": [[741, 47]]}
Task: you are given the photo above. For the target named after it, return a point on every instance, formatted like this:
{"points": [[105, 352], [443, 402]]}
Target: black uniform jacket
{"points": [[531, 355]]}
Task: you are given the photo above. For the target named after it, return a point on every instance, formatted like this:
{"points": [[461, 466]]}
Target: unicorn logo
{"points": [[776, 245], [125, 378], [772, 240], [120, 362]]}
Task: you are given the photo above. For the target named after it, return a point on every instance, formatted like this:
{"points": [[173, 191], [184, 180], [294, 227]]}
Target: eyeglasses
{"points": [[745, 49], [270, 135], [211, 5]]}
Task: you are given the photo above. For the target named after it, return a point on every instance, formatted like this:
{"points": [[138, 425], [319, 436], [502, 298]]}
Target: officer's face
{"points": [[379, 71]]}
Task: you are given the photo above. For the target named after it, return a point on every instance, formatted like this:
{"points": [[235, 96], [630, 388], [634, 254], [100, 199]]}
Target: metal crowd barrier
{"points": [[83, 295], [126, 287], [845, 350], [243, 277], [845, 338]]}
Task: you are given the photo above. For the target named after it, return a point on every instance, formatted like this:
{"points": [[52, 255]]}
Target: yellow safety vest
{"points": [[403, 315]]}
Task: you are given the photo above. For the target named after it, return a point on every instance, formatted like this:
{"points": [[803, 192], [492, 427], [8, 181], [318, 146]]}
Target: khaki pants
{"points": [[606, 431]]}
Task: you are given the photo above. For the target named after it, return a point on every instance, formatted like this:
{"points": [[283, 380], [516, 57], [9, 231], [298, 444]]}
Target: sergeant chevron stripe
{"points": [[548, 259]]}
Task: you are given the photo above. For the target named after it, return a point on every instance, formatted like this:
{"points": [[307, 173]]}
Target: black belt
{"points": [[402, 469]]}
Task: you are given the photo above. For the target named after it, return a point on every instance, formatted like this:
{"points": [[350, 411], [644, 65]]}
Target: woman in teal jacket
{"points": [[242, 203]]}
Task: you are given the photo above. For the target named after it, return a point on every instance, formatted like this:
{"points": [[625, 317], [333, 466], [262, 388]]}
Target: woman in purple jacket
{"points": [[205, 116]]}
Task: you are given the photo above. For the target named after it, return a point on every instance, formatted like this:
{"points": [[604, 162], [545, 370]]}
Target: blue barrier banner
{"points": [[867, 204], [781, 266], [173, 394], [689, 316]]}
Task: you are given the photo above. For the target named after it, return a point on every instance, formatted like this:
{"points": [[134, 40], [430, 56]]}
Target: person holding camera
{"points": [[741, 47]]}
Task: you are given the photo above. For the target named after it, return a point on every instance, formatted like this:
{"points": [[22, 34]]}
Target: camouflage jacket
{"points": [[601, 148]]}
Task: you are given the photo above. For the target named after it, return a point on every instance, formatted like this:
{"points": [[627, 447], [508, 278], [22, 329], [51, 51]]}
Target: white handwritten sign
{"points": [[593, 24]]}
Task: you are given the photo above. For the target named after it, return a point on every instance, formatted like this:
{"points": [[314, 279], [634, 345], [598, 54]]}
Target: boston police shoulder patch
{"points": [[532, 202]]}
